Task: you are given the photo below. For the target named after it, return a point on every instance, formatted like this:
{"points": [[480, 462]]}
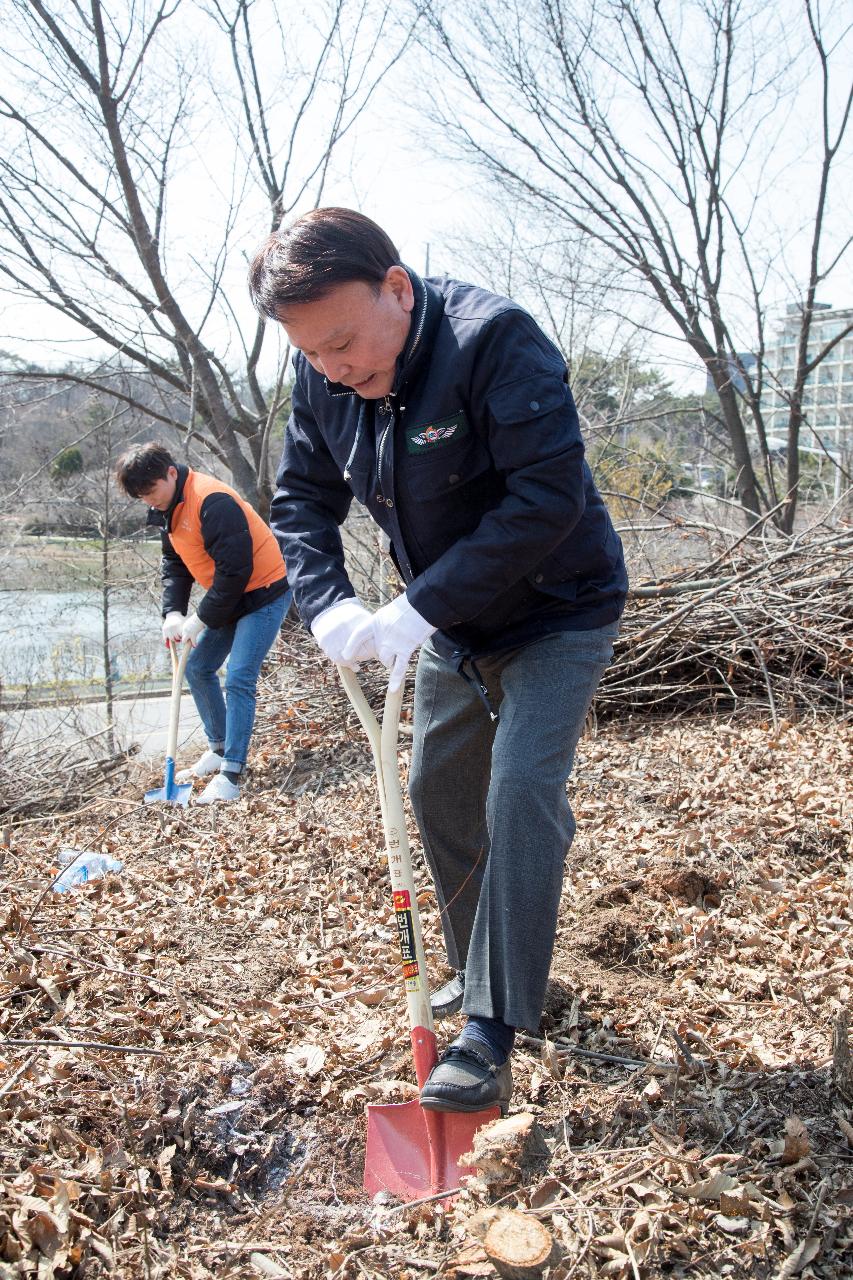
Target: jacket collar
{"points": [[163, 519], [426, 315]]}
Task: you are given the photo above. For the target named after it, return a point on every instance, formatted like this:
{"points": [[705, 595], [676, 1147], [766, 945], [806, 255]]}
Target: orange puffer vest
{"points": [[186, 537]]}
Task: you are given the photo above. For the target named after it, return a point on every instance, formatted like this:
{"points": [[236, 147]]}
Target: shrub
{"points": [[66, 464]]}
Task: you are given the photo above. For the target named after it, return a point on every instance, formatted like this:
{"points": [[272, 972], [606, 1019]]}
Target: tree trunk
{"points": [[792, 466], [105, 604], [746, 484]]}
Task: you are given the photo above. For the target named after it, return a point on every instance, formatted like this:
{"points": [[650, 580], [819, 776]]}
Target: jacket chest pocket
{"points": [[445, 469]]}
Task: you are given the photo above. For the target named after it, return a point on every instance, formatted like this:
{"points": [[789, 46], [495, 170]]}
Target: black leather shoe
{"points": [[448, 999], [466, 1078]]}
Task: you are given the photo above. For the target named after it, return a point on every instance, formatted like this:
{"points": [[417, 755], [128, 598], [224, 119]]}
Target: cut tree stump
{"points": [[517, 1245], [503, 1149], [842, 1058]]}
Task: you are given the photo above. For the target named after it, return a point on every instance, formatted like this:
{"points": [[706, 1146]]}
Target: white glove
{"points": [[172, 626], [391, 634], [192, 629], [332, 628]]}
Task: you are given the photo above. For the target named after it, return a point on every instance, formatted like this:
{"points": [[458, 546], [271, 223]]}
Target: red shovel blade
{"points": [[413, 1153]]}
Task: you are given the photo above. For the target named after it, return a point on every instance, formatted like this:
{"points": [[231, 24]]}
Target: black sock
{"points": [[494, 1034], [231, 776]]}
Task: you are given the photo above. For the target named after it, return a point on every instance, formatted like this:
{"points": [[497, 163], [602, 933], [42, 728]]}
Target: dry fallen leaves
{"points": [[796, 1141], [708, 892]]}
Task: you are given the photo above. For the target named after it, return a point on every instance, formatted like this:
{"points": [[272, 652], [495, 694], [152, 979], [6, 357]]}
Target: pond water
{"points": [[55, 637], [51, 643]]}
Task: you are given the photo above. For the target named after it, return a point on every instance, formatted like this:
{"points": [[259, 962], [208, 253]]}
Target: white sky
{"points": [[387, 170], [379, 168]]}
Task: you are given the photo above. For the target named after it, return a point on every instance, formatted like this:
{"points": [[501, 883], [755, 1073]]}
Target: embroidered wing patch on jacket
{"points": [[421, 439]]}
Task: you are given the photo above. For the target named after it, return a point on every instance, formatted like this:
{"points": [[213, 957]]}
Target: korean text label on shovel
{"points": [[411, 1152]]}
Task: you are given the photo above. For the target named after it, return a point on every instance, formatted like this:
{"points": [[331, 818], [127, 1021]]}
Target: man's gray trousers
{"points": [[491, 805]]}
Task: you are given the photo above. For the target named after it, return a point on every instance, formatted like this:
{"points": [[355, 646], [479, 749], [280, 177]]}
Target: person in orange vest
{"points": [[212, 536]]}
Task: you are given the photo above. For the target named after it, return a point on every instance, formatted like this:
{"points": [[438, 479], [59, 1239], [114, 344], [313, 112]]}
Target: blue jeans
{"points": [[228, 721], [491, 806]]}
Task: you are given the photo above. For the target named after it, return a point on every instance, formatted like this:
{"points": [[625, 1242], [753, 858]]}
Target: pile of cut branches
{"points": [[77, 771], [765, 623]]}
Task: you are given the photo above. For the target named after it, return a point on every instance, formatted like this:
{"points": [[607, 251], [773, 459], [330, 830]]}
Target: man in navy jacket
{"points": [[445, 411]]}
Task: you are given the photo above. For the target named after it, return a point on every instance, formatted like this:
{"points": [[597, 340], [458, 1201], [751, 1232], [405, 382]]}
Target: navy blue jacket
{"points": [[473, 466]]}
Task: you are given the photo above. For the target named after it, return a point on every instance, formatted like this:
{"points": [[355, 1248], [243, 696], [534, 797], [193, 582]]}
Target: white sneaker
{"points": [[219, 788], [205, 765]]}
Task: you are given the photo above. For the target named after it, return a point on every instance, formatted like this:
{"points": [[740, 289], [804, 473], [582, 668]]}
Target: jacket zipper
{"points": [[388, 409]]}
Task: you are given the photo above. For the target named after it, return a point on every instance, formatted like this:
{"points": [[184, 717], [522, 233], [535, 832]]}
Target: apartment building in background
{"points": [[828, 401]]}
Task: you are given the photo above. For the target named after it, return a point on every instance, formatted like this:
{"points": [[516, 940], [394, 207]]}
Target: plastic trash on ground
{"points": [[82, 865]]}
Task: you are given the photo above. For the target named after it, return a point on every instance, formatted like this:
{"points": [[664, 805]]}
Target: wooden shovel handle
{"points": [[383, 744], [178, 668]]}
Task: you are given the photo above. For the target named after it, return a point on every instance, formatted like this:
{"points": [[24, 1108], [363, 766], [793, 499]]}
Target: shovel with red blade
{"points": [[411, 1152]]}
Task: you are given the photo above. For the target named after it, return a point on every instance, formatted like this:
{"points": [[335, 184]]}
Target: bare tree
{"points": [[652, 130], [644, 442], [115, 128], [87, 499]]}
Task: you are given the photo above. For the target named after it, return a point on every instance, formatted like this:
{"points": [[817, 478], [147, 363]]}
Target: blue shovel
{"points": [[173, 792]]}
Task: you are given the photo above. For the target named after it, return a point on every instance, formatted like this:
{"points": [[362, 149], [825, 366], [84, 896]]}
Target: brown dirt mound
{"points": [[612, 936], [687, 884]]}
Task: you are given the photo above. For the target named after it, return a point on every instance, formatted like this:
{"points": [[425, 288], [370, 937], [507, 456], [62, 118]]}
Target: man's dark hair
{"points": [[141, 466], [324, 248]]}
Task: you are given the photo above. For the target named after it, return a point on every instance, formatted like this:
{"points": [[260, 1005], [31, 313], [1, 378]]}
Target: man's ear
{"points": [[397, 280]]}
